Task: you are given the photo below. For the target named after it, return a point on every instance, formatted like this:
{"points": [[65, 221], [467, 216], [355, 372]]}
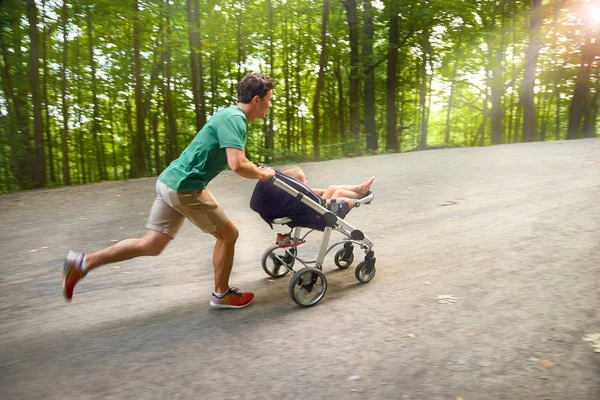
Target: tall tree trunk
{"points": [[425, 55], [63, 88], [286, 76], [112, 133], [341, 103], [129, 123], [351, 13], [96, 128], [154, 122], [531, 55], [80, 147], [198, 38], [581, 95], [39, 172], [452, 87], [137, 158], [496, 82], [45, 35], [369, 75], [301, 135], [510, 131], [19, 139], [320, 81], [401, 118], [193, 12], [591, 112], [269, 132], [391, 138], [172, 148]]}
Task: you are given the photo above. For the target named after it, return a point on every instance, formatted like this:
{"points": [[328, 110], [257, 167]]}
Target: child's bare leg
{"points": [[358, 190], [329, 192], [345, 193]]}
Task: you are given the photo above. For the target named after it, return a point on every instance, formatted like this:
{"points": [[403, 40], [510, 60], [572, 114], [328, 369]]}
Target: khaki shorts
{"points": [[170, 208]]}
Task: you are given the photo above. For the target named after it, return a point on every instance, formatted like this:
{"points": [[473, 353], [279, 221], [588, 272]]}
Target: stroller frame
{"points": [[309, 284]]}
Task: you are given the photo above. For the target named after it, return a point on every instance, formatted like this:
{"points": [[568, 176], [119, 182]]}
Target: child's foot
{"points": [[364, 188]]}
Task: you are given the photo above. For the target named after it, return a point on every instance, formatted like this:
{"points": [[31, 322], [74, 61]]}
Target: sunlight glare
{"points": [[595, 15]]}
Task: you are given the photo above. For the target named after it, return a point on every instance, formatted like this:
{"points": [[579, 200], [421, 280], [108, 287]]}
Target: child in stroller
{"points": [[284, 200]]}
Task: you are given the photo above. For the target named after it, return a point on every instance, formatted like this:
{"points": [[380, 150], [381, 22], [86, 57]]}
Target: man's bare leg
{"points": [[151, 244], [77, 265], [223, 255]]}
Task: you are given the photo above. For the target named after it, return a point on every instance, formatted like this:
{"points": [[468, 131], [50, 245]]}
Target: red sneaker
{"points": [[72, 273], [232, 299]]}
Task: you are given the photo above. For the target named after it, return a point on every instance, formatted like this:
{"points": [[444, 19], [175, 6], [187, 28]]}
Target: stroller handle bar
{"points": [[330, 217]]}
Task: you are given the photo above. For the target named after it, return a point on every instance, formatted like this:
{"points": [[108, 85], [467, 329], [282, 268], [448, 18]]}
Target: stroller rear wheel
{"points": [[308, 286], [275, 259]]}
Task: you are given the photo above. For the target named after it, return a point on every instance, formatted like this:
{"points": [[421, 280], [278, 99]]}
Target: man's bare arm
{"points": [[239, 164]]}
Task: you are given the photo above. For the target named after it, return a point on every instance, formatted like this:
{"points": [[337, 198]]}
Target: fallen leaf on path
{"points": [[113, 240], [411, 335], [472, 334], [44, 247], [427, 283], [594, 340], [33, 251], [121, 228], [546, 364], [390, 329], [459, 398], [117, 195], [445, 299], [116, 267], [82, 218], [124, 272], [448, 203], [21, 204]]}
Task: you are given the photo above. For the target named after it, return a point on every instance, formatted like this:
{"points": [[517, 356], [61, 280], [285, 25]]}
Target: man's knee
{"points": [[228, 233], [153, 243]]}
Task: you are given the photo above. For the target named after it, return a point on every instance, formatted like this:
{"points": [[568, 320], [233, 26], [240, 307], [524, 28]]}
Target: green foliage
{"points": [[472, 47]]}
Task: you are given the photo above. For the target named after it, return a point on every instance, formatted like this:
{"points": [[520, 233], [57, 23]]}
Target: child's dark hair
{"points": [[254, 84]]}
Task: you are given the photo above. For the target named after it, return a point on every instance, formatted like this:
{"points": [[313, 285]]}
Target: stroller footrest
{"points": [[282, 221]]}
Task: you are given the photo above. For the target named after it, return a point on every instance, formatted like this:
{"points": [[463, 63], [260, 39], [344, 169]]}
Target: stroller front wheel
{"points": [[308, 286], [364, 273], [343, 258], [276, 259]]}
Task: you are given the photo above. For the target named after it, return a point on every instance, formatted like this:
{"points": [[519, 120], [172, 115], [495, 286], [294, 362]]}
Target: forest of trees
{"points": [[95, 90]]}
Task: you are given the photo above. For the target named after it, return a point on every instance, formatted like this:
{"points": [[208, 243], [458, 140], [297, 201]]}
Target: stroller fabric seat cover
{"points": [[271, 202]]}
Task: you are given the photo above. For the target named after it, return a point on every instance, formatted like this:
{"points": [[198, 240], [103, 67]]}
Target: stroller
{"points": [[284, 200]]}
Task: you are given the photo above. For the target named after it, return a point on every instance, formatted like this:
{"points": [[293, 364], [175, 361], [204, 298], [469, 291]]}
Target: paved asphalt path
{"points": [[509, 234]]}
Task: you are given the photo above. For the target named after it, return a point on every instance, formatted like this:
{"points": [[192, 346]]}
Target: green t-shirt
{"points": [[205, 156]]}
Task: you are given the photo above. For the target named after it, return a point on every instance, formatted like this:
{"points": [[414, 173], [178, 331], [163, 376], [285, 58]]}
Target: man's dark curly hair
{"points": [[254, 84]]}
